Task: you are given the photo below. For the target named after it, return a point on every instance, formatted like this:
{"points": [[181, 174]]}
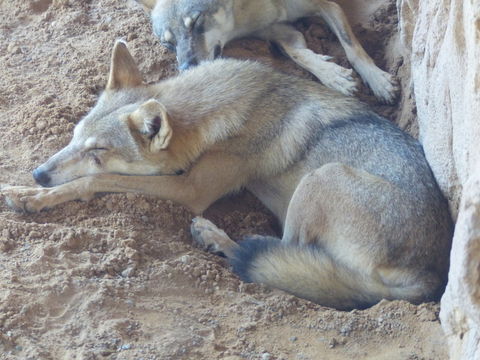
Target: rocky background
{"points": [[443, 41]]}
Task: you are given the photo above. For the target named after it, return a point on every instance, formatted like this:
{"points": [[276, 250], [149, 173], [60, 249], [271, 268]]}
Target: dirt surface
{"points": [[118, 277]]}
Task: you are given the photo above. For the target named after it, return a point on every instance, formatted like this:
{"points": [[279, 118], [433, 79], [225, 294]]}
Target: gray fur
{"points": [[340, 179], [213, 23]]}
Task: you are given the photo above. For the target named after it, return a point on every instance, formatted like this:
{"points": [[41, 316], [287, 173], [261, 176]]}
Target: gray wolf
{"points": [[198, 30], [362, 216]]}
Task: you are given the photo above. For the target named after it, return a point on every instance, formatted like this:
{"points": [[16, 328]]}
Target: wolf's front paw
{"points": [[339, 78], [384, 86], [24, 198]]}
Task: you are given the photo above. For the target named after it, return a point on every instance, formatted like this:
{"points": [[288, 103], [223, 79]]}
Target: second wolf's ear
{"points": [[124, 72], [151, 119]]}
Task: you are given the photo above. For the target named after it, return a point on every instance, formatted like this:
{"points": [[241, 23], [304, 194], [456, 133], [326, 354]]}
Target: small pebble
{"points": [[128, 272], [185, 259], [13, 49]]}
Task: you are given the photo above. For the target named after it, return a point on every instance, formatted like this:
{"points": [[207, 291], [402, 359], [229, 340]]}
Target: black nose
{"points": [[41, 177], [188, 64]]}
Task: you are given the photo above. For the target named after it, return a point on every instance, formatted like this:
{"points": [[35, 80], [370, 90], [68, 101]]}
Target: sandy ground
{"points": [[118, 277]]}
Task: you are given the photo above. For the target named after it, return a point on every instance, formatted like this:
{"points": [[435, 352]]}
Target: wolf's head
{"points": [[195, 30], [126, 132]]}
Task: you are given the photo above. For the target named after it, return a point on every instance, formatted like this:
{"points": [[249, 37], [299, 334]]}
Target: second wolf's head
{"points": [[195, 30]]}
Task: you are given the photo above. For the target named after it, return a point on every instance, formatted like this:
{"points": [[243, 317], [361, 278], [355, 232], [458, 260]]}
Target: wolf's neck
{"points": [[213, 117], [216, 100], [199, 121]]}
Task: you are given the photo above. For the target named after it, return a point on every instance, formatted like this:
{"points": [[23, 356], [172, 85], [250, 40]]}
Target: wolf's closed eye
{"points": [[94, 153], [198, 23]]}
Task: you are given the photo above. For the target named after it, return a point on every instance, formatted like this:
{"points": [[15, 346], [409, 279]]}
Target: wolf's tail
{"points": [[307, 272]]}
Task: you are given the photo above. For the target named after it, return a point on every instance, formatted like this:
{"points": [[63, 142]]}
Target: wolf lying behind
{"points": [[199, 29], [363, 218]]}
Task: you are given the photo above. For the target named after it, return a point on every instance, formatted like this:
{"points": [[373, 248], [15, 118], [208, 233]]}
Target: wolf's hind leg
{"points": [[293, 44], [365, 223], [349, 241]]}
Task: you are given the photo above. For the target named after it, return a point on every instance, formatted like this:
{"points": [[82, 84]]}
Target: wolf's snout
{"points": [[41, 177], [188, 64]]}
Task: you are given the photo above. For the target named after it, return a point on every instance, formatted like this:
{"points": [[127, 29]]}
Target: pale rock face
{"points": [[460, 311], [442, 41], [445, 52]]}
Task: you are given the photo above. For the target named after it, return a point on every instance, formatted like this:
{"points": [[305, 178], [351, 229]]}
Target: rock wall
{"points": [[442, 42], [460, 307]]}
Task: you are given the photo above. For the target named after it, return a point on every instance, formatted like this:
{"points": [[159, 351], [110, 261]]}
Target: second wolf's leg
{"points": [[383, 85], [293, 43]]}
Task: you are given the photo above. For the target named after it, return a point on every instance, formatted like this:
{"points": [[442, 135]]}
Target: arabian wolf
{"points": [[363, 218], [198, 30]]}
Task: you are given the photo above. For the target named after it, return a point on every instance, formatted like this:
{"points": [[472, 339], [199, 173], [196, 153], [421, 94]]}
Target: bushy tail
{"points": [[305, 271]]}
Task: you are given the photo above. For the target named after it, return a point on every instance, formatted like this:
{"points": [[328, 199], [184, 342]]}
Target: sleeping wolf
{"points": [[363, 218], [199, 29]]}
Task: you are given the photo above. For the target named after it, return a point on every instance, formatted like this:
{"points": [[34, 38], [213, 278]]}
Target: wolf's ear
{"points": [[124, 72], [151, 119]]}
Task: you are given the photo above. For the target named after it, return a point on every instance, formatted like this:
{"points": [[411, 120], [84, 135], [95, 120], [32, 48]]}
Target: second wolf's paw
{"points": [[23, 198], [207, 235], [339, 78], [384, 86]]}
